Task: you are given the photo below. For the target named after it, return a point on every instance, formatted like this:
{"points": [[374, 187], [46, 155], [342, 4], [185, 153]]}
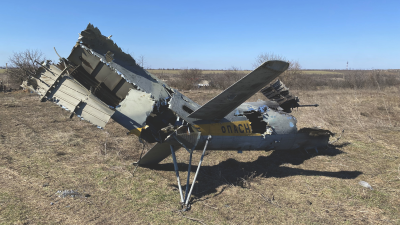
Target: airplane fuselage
{"points": [[255, 126]]}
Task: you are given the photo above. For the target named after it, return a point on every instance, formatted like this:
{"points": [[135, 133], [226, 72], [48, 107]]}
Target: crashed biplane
{"points": [[98, 81]]}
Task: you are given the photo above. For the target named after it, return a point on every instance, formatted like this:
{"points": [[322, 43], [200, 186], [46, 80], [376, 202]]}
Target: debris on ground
{"points": [[365, 184], [65, 193]]}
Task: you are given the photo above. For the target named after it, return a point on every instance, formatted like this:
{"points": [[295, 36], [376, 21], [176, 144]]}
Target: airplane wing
{"points": [[161, 151], [232, 97]]}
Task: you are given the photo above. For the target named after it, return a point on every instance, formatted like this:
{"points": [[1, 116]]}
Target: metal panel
{"points": [[99, 106], [66, 98], [124, 89], [96, 112], [134, 109], [224, 103], [122, 62], [72, 96], [76, 87], [183, 106], [46, 78], [112, 80], [85, 58], [90, 63], [106, 75], [92, 114]]}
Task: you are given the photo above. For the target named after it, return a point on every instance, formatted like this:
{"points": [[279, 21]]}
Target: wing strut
{"points": [[185, 201], [177, 173]]}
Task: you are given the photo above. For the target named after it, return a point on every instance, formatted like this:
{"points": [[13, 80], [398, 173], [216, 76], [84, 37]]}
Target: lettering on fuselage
{"points": [[232, 128]]}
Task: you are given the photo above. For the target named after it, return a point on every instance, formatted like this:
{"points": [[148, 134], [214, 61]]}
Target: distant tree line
{"points": [[24, 64]]}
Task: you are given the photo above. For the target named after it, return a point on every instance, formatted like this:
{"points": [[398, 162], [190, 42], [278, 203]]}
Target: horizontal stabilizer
{"points": [[239, 92]]}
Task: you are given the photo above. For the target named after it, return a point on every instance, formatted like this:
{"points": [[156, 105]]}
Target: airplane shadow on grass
{"points": [[231, 171]]}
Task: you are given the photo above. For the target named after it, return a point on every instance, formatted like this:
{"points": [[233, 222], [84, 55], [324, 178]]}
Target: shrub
{"points": [[23, 64]]}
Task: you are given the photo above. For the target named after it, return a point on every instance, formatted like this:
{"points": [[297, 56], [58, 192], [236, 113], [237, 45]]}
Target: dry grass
{"points": [[9, 82], [325, 72], [42, 151], [172, 72]]}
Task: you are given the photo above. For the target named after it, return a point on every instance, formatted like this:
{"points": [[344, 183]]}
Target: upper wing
{"points": [[232, 97]]}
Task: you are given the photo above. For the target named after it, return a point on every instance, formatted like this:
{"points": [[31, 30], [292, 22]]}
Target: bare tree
{"points": [[290, 76], [23, 64], [263, 57], [141, 61]]}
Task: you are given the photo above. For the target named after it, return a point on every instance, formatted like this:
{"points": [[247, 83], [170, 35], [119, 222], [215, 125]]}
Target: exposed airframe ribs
{"points": [[279, 93]]}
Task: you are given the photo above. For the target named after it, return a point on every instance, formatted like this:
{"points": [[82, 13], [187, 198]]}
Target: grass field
{"points": [[325, 72], [170, 72], [2, 71], [42, 151]]}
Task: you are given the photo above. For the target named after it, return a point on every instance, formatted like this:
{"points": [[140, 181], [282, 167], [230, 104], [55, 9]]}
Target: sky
{"points": [[214, 34]]}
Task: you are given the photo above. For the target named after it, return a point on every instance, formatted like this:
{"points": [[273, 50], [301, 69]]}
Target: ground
{"points": [[43, 151]]}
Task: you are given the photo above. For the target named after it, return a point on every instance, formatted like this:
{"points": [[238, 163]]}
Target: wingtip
{"points": [[277, 65]]}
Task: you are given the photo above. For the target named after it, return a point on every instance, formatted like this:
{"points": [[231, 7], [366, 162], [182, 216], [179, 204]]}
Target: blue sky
{"points": [[214, 34]]}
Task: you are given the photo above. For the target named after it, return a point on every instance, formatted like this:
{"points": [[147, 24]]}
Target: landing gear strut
{"points": [[185, 199]]}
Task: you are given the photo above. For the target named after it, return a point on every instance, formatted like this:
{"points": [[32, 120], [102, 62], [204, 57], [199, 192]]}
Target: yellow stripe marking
{"points": [[237, 128], [137, 131]]}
